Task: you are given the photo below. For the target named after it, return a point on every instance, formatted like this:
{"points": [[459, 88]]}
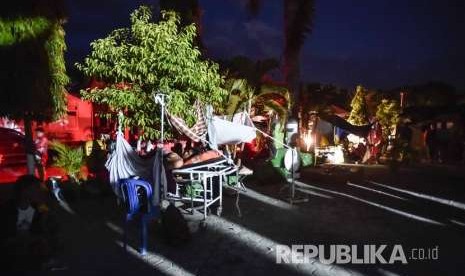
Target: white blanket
{"points": [[223, 132], [124, 162]]}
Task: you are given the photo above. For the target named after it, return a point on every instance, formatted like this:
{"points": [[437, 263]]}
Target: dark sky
{"points": [[377, 43]]}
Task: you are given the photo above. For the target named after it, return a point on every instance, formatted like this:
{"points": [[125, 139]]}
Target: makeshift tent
{"points": [[337, 121], [324, 128]]}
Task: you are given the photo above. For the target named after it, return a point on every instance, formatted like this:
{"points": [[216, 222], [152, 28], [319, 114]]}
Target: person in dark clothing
{"points": [[431, 142], [27, 233], [442, 139]]}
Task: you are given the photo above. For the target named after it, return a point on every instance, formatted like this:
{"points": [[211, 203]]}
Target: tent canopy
{"points": [[361, 131]]}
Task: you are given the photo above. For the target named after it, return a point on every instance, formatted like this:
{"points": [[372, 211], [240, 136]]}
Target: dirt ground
{"points": [[415, 207]]}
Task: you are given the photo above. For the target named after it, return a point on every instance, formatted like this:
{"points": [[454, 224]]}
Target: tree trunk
{"points": [[30, 148], [291, 53]]}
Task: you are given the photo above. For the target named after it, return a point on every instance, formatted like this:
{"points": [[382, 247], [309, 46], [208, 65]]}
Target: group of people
{"points": [[443, 143]]}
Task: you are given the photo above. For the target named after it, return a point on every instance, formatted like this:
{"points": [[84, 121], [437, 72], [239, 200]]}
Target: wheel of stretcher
{"points": [[219, 210]]}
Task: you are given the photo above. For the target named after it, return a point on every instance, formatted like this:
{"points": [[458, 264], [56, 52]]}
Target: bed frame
{"points": [[207, 174]]}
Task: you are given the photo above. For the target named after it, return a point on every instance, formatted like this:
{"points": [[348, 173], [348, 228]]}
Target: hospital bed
{"points": [[201, 184]]}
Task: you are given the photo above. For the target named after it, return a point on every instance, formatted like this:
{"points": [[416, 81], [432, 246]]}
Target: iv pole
{"points": [[160, 99]]}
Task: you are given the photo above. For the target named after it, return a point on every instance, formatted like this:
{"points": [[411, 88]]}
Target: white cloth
{"points": [[222, 132], [124, 162], [25, 218], [243, 118]]}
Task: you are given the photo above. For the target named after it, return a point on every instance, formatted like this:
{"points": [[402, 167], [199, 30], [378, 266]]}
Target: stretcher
{"points": [[201, 184]]}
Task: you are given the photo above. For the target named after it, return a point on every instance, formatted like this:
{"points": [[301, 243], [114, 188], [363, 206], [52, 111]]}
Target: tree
{"points": [[387, 114], [265, 98], [359, 113], [249, 86], [298, 21], [431, 94], [254, 71], [190, 13], [152, 57], [32, 63]]}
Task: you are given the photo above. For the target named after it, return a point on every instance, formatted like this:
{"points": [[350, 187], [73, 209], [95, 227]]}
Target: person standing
{"points": [[41, 144], [430, 139], [374, 140]]}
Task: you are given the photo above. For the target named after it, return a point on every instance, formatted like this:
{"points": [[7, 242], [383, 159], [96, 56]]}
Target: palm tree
{"points": [[241, 67], [268, 97], [298, 21]]}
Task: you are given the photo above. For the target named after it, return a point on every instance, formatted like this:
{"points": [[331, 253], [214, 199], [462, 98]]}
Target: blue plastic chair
{"points": [[137, 195]]}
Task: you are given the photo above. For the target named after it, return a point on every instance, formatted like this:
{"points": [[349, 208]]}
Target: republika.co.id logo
{"points": [[355, 254]]}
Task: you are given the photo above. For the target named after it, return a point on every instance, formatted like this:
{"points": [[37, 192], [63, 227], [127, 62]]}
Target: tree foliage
{"points": [[152, 57], [430, 94], [359, 113], [248, 87], [254, 71], [190, 13], [298, 22], [387, 114], [265, 98], [69, 159], [32, 63]]}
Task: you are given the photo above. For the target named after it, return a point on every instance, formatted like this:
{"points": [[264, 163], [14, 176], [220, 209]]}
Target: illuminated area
{"points": [[333, 154], [338, 155], [308, 140], [356, 139]]}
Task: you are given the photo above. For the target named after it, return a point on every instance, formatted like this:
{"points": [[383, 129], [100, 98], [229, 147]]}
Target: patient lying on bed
{"points": [[204, 156], [174, 161]]}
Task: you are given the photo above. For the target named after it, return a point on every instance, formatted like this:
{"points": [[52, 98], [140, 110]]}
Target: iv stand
{"points": [[160, 99]]}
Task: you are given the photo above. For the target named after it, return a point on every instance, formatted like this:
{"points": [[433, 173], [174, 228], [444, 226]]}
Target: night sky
{"points": [[380, 44]]}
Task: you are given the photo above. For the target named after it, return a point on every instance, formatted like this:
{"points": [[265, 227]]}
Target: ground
{"points": [[416, 207]]}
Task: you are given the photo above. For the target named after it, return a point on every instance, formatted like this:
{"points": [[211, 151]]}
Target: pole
{"points": [[292, 198], [160, 99], [292, 189], [162, 118]]}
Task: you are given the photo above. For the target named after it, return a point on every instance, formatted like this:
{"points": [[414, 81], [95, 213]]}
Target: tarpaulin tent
{"points": [[337, 121]]}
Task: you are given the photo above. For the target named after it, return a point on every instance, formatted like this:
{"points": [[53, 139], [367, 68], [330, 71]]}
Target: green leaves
{"points": [[68, 158], [359, 113], [55, 47], [265, 98], [388, 114], [21, 29], [152, 57], [33, 67]]}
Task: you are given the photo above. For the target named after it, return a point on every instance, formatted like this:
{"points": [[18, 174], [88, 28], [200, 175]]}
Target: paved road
{"points": [[416, 208]]}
